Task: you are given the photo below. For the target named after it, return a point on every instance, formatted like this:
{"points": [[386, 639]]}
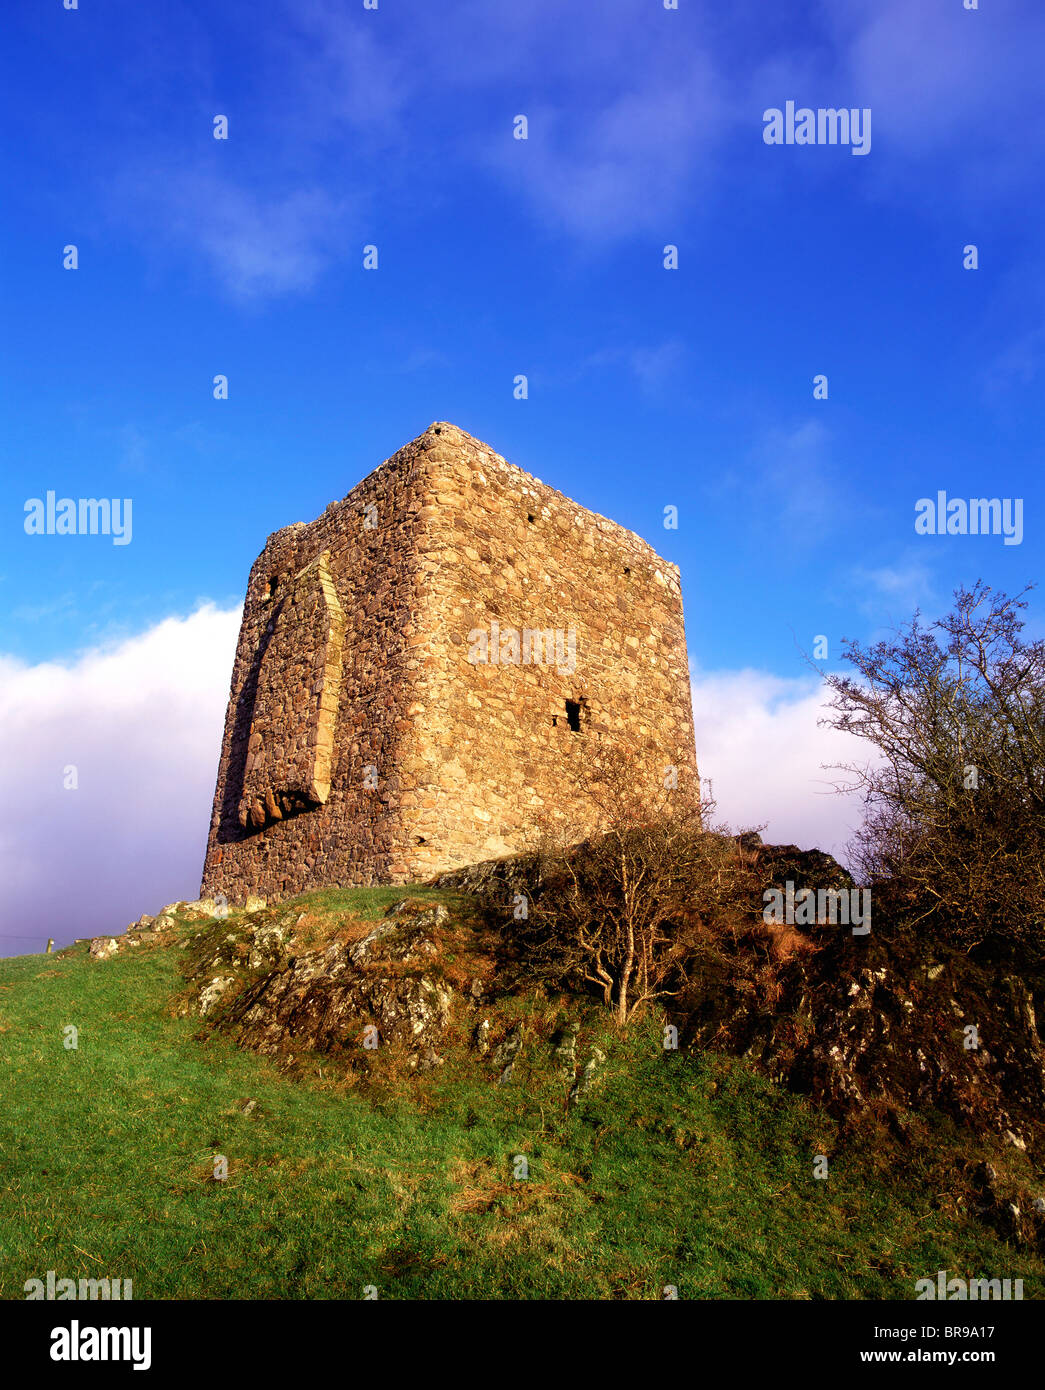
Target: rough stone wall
{"points": [[291, 744], [354, 835], [359, 662], [491, 746]]}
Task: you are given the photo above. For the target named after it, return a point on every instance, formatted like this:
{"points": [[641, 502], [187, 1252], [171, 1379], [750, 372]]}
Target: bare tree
{"points": [[619, 909], [956, 796]]}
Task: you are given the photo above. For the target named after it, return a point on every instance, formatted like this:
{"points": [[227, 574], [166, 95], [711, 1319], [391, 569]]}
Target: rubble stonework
{"points": [[370, 737]]}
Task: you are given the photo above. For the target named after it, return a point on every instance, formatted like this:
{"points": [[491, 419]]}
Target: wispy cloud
{"points": [[941, 75], [257, 244], [895, 589], [636, 119], [1016, 365], [626, 165], [796, 477], [654, 366]]}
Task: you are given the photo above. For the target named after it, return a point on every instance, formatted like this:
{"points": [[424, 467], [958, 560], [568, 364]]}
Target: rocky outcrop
{"points": [[507, 1054], [883, 1027], [879, 1027], [147, 930], [278, 996], [324, 1003], [871, 1024], [586, 1080]]}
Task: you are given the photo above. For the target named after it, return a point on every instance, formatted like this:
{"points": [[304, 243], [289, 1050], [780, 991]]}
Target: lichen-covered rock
{"points": [[279, 995], [507, 1054], [588, 1075], [362, 951], [267, 944], [236, 949], [391, 941], [497, 879], [427, 1060], [104, 947], [324, 1001], [872, 1028], [202, 910], [424, 914], [1014, 1213], [212, 991], [566, 1050]]}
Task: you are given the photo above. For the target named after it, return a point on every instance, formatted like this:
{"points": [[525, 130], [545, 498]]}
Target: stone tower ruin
{"points": [[422, 670]]}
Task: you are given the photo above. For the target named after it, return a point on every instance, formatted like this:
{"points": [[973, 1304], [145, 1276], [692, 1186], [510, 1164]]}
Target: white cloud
{"points": [[759, 743], [142, 722]]}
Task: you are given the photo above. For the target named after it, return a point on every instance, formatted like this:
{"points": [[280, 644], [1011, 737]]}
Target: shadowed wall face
{"points": [[291, 743], [423, 670]]}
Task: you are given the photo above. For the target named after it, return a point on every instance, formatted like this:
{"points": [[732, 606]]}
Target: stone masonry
{"points": [[422, 671]]}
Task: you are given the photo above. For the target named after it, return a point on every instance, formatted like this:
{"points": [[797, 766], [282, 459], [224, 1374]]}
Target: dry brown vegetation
{"points": [[625, 909]]}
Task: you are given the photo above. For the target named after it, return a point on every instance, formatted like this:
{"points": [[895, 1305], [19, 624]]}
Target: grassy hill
{"points": [[694, 1172]]}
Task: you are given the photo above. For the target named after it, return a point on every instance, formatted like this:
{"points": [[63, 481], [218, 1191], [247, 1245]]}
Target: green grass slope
{"points": [[690, 1172]]}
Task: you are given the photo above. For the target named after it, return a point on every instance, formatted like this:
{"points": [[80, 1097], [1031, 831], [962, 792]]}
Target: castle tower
{"points": [[422, 670]]}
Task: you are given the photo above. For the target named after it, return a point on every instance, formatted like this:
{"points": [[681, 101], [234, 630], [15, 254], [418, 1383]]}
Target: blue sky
{"points": [[497, 257]]}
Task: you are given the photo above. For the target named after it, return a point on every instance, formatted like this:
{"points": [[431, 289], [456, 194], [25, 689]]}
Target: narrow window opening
{"points": [[627, 569], [270, 588], [573, 715], [530, 516]]}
